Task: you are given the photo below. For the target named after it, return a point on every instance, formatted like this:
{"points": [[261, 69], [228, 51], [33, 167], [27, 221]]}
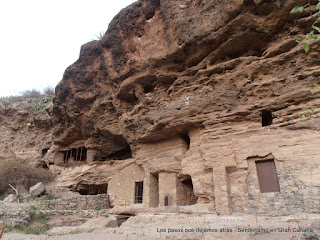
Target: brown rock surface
{"points": [[24, 135], [184, 85], [164, 67]]}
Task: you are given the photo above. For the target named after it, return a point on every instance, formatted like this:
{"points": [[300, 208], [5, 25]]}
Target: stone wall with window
{"points": [[121, 187], [295, 155]]}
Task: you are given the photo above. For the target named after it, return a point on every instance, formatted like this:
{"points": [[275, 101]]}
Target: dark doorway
{"points": [[85, 189], [138, 192], [166, 200], [186, 191], [267, 174], [266, 118]]}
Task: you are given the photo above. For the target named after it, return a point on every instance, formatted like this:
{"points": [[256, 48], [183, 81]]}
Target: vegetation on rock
{"points": [[21, 175], [314, 34], [49, 197], [37, 225], [35, 101]]}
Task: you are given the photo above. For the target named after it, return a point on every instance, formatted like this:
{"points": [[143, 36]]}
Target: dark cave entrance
{"points": [[186, 138], [44, 151], [123, 154], [266, 118], [85, 189], [187, 196]]}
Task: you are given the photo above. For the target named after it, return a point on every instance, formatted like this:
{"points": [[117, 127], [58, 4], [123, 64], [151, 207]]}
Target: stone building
{"points": [[197, 102]]}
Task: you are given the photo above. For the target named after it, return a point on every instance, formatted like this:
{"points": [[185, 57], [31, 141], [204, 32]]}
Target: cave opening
{"points": [[123, 154], [186, 138], [266, 118], [186, 193], [92, 189], [44, 151], [43, 164]]}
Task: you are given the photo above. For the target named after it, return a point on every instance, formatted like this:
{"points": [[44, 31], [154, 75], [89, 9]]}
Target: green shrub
{"points": [[8, 228], [36, 215], [49, 197], [35, 100], [40, 103], [27, 229], [100, 35], [37, 225]]}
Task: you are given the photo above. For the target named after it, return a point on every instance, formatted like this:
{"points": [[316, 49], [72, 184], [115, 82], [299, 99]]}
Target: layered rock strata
{"points": [[189, 98]]}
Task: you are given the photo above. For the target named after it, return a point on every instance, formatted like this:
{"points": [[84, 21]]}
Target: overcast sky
{"points": [[41, 38]]}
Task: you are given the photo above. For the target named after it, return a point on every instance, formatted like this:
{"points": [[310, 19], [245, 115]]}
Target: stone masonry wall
{"points": [[100, 201], [14, 214], [294, 195], [295, 154]]}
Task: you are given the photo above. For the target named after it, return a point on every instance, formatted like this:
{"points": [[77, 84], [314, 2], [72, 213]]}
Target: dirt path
{"points": [[191, 227]]}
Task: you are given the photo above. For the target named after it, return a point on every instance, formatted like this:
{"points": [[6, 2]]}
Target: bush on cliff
{"points": [[21, 175], [35, 100], [314, 33]]}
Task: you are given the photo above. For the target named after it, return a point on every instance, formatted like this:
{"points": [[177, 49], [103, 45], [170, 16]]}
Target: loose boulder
{"points": [[10, 199], [37, 189]]}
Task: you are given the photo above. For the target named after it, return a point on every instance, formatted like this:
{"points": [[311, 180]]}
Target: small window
{"points": [[166, 200], [74, 156], [138, 192], [266, 118], [267, 174]]}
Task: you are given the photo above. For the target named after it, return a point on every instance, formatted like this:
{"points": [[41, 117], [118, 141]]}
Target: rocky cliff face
{"points": [[189, 87], [165, 67], [25, 135]]}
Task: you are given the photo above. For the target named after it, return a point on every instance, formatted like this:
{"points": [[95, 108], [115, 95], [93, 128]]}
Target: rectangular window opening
{"points": [[138, 192], [266, 118], [74, 156], [267, 174]]}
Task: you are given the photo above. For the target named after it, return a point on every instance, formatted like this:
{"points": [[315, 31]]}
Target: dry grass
{"points": [[21, 175]]}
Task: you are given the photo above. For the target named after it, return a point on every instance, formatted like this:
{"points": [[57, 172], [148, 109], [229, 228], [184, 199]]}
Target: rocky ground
{"points": [[181, 226], [135, 222], [25, 127]]}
